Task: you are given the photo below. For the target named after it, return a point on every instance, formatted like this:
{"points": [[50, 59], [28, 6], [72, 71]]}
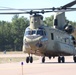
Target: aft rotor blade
{"points": [[68, 5]]}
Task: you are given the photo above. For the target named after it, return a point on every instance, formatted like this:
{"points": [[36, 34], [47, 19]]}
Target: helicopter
{"points": [[46, 41]]}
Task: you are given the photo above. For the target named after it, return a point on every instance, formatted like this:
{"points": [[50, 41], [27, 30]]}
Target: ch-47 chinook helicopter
{"points": [[45, 41]]}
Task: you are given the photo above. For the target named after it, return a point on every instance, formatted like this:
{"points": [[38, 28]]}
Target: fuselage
{"points": [[47, 41]]}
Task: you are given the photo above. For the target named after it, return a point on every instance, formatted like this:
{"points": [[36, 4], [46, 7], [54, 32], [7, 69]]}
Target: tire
{"points": [[27, 60], [63, 59], [59, 59], [74, 58], [43, 59], [31, 59]]}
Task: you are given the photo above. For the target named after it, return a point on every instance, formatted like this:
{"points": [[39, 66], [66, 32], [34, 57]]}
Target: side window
{"points": [[52, 36]]}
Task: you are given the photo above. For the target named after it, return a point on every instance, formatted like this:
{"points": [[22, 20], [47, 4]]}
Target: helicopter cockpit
{"points": [[40, 32]]}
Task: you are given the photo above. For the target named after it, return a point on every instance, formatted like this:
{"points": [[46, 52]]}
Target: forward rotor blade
{"points": [[13, 12], [40, 11], [64, 8]]}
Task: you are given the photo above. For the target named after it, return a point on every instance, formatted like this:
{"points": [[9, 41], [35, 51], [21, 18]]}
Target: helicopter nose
{"points": [[39, 44], [42, 43], [32, 37], [33, 40], [36, 42]]}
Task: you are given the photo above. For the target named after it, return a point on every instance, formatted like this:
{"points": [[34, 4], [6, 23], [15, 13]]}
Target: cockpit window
{"points": [[30, 32], [33, 31], [36, 32], [40, 32]]}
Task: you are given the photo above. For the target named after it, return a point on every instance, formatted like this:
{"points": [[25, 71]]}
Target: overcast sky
{"points": [[35, 4]]}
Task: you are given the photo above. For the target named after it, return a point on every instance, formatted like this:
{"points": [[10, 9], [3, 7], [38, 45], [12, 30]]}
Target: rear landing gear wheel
{"points": [[43, 59], [61, 59], [74, 58]]}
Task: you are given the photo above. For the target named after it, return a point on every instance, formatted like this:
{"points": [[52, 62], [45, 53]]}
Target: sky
{"points": [[35, 4]]}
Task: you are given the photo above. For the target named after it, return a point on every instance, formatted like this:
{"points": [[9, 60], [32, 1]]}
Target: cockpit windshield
{"points": [[40, 32], [30, 32], [35, 32]]}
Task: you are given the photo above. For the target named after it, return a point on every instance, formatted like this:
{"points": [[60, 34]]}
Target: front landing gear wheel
{"points": [[43, 59], [27, 59], [31, 59]]}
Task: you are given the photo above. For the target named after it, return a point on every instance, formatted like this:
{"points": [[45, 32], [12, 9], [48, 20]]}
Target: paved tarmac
{"points": [[50, 67]]}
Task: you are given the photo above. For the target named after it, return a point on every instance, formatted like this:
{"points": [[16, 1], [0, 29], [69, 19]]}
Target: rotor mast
{"points": [[59, 17], [36, 21], [59, 20]]}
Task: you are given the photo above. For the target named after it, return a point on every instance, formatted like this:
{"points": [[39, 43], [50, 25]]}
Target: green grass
{"points": [[12, 52], [13, 59]]}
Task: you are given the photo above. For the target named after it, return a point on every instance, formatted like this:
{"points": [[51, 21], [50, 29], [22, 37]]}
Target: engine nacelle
{"points": [[69, 29]]}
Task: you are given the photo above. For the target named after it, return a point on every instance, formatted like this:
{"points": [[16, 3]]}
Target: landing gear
{"points": [[29, 59], [74, 58], [49, 57], [61, 59], [43, 60]]}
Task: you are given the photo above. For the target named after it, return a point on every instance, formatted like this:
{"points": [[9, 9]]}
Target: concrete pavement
{"points": [[50, 67]]}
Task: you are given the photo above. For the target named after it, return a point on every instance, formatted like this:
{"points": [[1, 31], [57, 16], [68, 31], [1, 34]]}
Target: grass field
{"points": [[12, 52], [10, 57]]}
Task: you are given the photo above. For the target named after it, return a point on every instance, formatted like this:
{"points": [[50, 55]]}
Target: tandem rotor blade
{"points": [[68, 5], [39, 11], [64, 8]]}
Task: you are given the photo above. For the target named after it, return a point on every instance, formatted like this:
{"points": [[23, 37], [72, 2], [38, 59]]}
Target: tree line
{"points": [[11, 33]]}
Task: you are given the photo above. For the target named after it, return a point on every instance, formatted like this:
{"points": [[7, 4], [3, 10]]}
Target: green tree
{"points": [[18, 28], [49, 21], [4, 32], [11, 33]]}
